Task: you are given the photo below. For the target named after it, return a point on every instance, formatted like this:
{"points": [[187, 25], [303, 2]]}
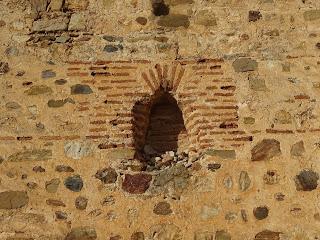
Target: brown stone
{"points": [[82, 233], [55, 202], [267, 235], [136, 184], [81, 203], [265, 150], [76, 5], [107, 175], [203, 235], [254, 16], [13, 199], [4, 68], [174, 21], [244, 181], [141, 20], [137, 236], [162, 208]]}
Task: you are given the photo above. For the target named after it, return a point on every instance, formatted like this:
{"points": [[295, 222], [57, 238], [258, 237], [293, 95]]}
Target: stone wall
{"points": [[80, 81]]}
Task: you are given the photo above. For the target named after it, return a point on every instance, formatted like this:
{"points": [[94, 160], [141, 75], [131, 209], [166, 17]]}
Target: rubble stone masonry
{"points": [[159, 119]]}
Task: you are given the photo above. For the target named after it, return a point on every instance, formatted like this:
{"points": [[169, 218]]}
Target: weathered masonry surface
{"points": [[159, 119]]}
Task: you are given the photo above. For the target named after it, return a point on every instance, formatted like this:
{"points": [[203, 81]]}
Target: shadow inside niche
{"points": [[160, 136]]}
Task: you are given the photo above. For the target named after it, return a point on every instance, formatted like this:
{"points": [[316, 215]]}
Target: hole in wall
{"points": [[159, 131], [159, 8]]}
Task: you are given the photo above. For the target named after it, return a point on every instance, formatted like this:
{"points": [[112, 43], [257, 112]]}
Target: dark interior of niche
{"points": [[158, 128], [160, 8]]}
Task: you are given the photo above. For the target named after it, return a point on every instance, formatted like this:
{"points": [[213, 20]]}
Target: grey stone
{"points": [[38, 90], [50, 25], [74, 183], [244, 65], [61, 215], [48, 74], [31, 155], [59, 103], [209, 212], [77, 150], [112, 48], [55, 5], [82, 233], [230, 216], [265, 150], [297, 149], [13, 199], [81, 203], [172, 181], [77, 22], [228, 183], [306, 180], [52, 185], [60, 82], [261, 212], [81, 89], [244, 181], [113, 38]]}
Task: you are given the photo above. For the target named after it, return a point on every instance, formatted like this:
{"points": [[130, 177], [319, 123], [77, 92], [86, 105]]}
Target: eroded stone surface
{"points": [[13, 199], [136, 184], [265, 150]]}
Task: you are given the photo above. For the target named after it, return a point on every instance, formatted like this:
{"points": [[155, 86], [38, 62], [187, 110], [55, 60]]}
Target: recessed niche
{"points": [[159, 126]]}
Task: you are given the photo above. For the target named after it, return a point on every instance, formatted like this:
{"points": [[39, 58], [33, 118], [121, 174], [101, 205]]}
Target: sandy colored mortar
{"points": [[78, 80]]}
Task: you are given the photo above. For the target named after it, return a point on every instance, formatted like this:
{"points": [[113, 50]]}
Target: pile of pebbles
{"points": [[149, 160]]}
